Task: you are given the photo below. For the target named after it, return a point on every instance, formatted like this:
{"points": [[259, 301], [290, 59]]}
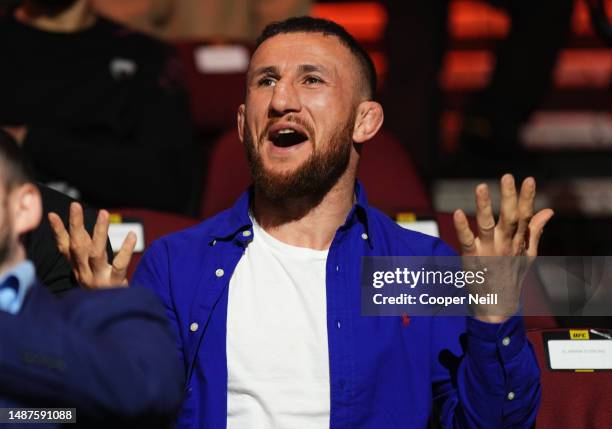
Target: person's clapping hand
{"points": [[87, 255]]}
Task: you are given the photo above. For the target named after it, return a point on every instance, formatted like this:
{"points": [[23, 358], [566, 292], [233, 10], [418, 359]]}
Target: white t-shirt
{"points": [[277, 354]]}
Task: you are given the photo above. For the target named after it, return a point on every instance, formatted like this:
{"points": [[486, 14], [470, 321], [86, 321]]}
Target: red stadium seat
{"points": [[155, 225], [577, 400], [386, 171], [390, 177], [216, 79], [227, 175]]}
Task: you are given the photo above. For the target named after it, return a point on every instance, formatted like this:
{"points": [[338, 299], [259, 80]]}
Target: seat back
{"points": [[577, 400], [390, 177], [227, 175], [215, 75], [155, 225]]}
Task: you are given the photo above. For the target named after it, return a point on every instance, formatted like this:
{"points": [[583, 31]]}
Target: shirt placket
{"points": [[340, 327]]}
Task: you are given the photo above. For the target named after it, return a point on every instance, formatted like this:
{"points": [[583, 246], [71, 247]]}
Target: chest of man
{"points": [[376, 366]]}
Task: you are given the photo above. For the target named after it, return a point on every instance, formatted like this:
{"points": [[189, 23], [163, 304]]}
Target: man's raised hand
{"points": [[516, 233], [87, 255]]}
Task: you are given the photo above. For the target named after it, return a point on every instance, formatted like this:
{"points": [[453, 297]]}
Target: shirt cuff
{"points": [[496, 340]]}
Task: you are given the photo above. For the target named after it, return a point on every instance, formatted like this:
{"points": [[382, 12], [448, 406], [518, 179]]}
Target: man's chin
{"points": [[281, 171]]}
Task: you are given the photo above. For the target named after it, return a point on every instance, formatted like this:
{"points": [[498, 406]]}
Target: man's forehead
{"points": [[299, 49]]}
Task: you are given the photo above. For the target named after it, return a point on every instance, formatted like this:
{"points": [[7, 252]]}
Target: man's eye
{"points": [[312, 80], [266, 81]]}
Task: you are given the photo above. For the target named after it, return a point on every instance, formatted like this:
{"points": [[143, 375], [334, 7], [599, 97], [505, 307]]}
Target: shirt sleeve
{"points": [[494, 376]]}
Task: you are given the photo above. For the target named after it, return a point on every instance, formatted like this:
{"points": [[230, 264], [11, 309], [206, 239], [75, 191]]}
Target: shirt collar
{"points": [[359, 212], [20, 278], [238, 219]]}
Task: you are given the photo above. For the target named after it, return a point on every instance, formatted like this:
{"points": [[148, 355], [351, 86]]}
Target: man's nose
{"points": [[285, 99]]}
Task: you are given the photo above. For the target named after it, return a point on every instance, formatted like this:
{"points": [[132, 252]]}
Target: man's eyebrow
{"points": [[309, 68], [266, 70]]}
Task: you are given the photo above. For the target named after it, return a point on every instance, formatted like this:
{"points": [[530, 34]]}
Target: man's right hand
{"points": [[87, 255]]}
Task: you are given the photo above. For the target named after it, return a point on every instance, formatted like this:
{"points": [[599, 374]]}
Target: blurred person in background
{"points": [[109, 354], [234, 20], [98, 109]]}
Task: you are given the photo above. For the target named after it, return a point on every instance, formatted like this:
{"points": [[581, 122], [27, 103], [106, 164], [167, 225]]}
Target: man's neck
{"points": [[297, 222], [17, 257], [77, 17]]}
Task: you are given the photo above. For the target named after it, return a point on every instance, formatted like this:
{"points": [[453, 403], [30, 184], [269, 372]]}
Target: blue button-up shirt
{"points": [[384, 372], [14, 286]]}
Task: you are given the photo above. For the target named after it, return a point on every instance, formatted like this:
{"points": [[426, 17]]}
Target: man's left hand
{"points": [[517, 233]]}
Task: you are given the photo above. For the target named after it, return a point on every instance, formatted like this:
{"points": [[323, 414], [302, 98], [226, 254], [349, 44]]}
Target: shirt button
{"points": [[506, 341], [338, 324], [246, 233], [214, 242], [219, 272], [511, 396], [364, 236], [194, 327]]}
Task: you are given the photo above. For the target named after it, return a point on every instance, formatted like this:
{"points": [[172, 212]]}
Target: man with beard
{"points": [[98, 109], [265, 297], [109, 354]]}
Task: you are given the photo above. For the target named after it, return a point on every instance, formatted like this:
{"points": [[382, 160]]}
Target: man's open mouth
{"points": [[287, 137]]}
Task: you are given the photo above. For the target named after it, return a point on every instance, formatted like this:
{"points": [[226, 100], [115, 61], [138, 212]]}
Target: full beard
{"points": [[313, 179]]}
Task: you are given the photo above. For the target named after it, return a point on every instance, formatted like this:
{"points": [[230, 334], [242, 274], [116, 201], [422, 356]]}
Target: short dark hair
{"points": [[308, 24], [14, 169]]}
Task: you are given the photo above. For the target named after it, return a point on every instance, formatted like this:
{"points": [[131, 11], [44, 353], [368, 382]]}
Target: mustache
{"points": [[291, 119]]}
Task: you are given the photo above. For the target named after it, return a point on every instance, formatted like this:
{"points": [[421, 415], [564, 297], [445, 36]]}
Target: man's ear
{"points": [[240, 121], [25, 204], [368, 121]]}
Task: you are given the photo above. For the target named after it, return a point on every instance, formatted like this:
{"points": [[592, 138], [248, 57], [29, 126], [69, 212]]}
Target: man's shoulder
{"points": [[126, 33], [402, 241], [132, 41], [91, 308], [97, 306]]}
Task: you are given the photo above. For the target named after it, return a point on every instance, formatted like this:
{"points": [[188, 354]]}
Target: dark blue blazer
{"points": [[110, 354]]}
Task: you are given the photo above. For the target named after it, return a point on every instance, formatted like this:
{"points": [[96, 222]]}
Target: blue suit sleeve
{"points": [[108, 353]]}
